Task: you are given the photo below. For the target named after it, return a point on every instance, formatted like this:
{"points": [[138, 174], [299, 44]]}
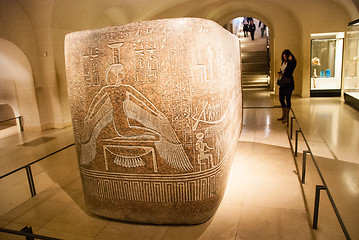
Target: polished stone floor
{"points": [[264, 197]]}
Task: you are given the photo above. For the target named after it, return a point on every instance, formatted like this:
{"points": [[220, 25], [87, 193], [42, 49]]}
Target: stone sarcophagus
{"points": [[157, 111]]}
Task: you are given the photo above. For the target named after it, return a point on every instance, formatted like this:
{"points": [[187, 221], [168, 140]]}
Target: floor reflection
{"points": [[331, 129]]}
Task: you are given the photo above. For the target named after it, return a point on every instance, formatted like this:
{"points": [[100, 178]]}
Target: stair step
{"points": [[249, 48], [254, 78], [254, 54], [258, 62], [255, 86], [249, 64], [254, 83], [254, 67], [255, 73], [255, 64], [250, 81], [255, 59]]}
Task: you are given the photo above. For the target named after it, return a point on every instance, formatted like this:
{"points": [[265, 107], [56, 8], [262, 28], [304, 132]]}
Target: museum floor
{"points": [[264, 198]]}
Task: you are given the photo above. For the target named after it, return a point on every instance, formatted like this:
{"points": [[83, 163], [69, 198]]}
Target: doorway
{"points": [[17, 85], [254, 37]]}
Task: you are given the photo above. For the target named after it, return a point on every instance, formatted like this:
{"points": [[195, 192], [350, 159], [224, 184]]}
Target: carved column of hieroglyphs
{"points": [[157, 111]]}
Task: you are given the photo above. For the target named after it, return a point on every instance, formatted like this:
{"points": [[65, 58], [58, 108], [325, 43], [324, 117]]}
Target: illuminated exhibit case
{"points": [[351, 66], [326, 64]]}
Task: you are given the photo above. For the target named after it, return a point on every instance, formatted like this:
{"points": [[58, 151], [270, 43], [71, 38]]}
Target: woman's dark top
{"points": [[288, 72]]}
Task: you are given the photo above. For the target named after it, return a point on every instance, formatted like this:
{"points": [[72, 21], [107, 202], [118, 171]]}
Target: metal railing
{"points": [[318, 188], [27, 231], [290, 135], [19, 120], [27, 167]]}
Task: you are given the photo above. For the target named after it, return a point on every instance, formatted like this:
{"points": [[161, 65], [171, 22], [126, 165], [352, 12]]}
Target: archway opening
{"points": [[17, 91], [255, 49]]}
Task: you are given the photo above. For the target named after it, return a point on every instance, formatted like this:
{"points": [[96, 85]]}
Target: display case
{"points": [[326, 64], [351, 65]]}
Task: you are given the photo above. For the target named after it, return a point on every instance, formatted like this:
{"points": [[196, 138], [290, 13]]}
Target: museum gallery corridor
{"points": [[263, 199]]}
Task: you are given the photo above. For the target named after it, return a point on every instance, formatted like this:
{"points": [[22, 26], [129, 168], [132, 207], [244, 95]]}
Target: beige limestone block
{"points": [[157, 111]]}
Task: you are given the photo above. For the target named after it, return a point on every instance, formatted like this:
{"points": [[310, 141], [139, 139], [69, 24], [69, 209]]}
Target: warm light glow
{"points": [[351, 183], [333, 34]]}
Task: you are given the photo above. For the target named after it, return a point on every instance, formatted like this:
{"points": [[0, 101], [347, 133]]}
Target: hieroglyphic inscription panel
{"points": [[157, 111]]}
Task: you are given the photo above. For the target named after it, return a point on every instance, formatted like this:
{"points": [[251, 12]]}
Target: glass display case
{"points": [[351, 65], [326, 64]]}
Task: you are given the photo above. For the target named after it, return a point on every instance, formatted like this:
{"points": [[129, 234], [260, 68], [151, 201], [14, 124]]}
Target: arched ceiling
{"points": [[115, 12]]}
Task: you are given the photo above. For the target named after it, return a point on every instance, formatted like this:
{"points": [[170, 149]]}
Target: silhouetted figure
{"points": [[245, 28], [252, 28], [263, 28]]}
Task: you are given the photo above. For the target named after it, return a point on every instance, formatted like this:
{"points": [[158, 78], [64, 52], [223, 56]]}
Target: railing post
{"points": [[27, 232], [291, 127], [304, 165], [30, 180], [28, 229], [316, 205], [288, 117], [20, 123], [296, 142]]}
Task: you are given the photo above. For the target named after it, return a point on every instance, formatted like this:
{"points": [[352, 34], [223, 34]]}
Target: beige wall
{"points": [[316, 19], [19, 63], [38, 28], [17, 85], [40, 14], [23, 23]]}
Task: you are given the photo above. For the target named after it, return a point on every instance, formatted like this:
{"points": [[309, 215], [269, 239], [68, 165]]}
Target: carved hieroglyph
{"points": [[157, 111]]}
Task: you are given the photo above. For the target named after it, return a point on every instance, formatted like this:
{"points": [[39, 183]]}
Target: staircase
{"points": [[255, 69], [255, 61]]}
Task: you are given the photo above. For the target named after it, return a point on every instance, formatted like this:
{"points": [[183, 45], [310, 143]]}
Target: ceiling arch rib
{"points": [[169, 10], [218, 11], [122, 12], [350, 7]]}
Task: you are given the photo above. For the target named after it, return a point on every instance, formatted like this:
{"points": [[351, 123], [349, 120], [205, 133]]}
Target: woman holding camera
{"points": [[286, 83]]}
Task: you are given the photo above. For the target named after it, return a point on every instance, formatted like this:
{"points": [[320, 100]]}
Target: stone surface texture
{"points": [[157, 111]]}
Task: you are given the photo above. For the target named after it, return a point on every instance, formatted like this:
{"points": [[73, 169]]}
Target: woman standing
{"points": [[285, 91]]}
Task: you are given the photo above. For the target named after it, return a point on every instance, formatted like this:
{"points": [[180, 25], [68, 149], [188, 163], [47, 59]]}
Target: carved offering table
{"points": [[157, 111]]}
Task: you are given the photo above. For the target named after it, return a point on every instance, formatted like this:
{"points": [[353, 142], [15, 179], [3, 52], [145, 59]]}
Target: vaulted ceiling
{"points": [[114, 12]]}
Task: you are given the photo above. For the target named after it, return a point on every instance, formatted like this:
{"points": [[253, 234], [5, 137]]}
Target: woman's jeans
{"points": [[285, 95]]}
